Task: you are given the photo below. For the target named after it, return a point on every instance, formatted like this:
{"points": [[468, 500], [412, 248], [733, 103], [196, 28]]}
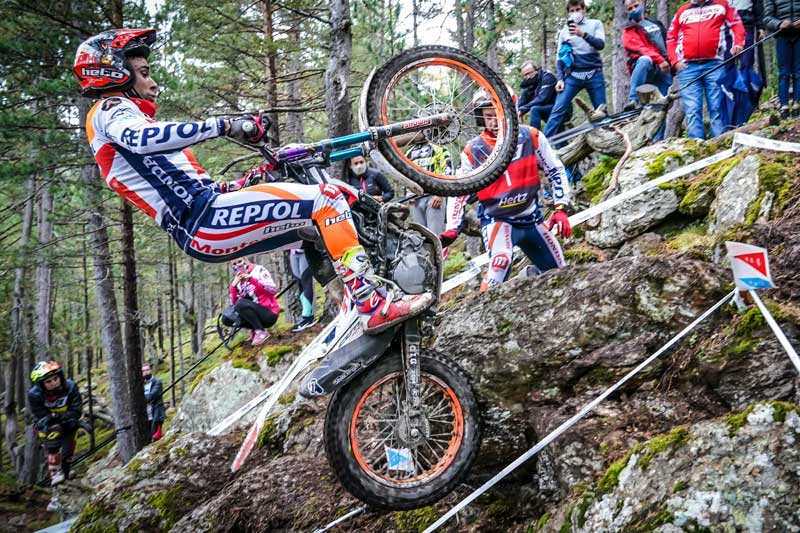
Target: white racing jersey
{"points": [[149, 164]]}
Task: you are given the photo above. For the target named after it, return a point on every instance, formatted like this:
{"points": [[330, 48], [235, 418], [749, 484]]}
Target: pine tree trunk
{"points": [[621, 80], [491, 37], [294, 121], [44, 286], [272, 71], [662, 12], [337, 75]]}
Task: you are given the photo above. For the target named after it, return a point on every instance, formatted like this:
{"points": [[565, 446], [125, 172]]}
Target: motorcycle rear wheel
{"points": [[364, 427], [430, 80]]}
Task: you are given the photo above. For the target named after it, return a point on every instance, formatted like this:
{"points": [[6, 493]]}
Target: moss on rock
{"points": [[578, 256], [95, 518], [658, 166], [595, 181], [672, 441], [166, 503], [415, 520], [274, 354]]}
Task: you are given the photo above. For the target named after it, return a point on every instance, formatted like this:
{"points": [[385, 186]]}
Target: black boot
{"points": [[784, 113], [796, 111]]}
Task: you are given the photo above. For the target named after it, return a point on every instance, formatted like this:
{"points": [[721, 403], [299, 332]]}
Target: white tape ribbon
{"points": [[572, 421], [776, 329]]}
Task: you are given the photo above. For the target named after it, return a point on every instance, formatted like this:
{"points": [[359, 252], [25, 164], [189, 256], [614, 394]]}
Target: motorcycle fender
{"points": [[342, 365]]}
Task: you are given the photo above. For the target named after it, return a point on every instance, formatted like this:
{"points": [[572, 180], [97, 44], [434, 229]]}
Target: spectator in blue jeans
{"points": [[538, 93], [584, 67], [785, 15], [695, 44]]}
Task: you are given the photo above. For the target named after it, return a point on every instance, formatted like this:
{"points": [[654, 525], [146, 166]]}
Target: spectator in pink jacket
{"points": [[253, 297]]}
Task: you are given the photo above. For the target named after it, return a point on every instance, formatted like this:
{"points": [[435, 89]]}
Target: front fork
{"points": [[410, 350]]}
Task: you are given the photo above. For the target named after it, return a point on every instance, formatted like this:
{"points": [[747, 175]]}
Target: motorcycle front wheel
{"points": [[430, 80], [391, 458]]}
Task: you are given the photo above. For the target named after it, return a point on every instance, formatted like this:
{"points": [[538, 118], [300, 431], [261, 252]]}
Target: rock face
{"points": [[642, 212], [220, 393], [742, 474], [738, 190]]}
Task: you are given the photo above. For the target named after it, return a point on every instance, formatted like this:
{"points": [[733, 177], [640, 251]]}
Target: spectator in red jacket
{"points": [[252, 294], [644, 41], [695, 46]]}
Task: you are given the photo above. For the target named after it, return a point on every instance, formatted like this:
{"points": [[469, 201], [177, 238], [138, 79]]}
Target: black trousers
{"points": [[253, 315]]}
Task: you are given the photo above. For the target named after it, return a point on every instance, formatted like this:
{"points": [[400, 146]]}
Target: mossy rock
{"points": [[578, 256], [274, 354], [736, 421], [167, 504], [455, 263], [95, 518], [596, 180], [415, 520], [246, 364], [658, 166]]}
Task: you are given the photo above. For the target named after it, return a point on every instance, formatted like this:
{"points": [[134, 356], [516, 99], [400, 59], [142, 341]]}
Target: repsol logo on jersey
{"points": [[179, 190], [256, 212], [209, 249], [107, 72], [162, 133]]}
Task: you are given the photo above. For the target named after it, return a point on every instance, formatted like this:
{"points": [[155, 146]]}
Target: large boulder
{"points": [[738, 190], [637, 215], [737, 474]]}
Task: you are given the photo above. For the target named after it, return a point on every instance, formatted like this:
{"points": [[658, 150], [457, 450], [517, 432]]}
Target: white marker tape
{"points": [[572, 421], [776, 329]]}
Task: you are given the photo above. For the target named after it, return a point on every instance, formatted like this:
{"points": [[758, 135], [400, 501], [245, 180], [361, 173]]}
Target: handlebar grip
{"points": [[249, 128]]}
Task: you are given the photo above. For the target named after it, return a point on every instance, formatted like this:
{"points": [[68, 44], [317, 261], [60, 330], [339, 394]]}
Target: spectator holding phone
{"points": [[585, 38], [252, 293]]}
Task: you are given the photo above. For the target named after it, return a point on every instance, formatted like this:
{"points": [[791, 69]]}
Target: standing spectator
{"points": [[371, 181], [752, 14], [305, 280], [785, 15], [56, 404], [252, 293], [154, 396], [695, 45], [538, 93], [428, 211], [579, 65], [644, 41]]}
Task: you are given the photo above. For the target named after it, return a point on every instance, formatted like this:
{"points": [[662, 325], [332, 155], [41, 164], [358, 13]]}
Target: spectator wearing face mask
{"points": [[371, 181], [154, 396], [580, 65], [538, 93]]}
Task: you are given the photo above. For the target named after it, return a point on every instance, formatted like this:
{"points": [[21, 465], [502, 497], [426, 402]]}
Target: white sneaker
{"points": [[57, 478]]}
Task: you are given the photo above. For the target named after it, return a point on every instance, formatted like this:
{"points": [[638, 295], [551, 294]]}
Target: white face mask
{"points": [[576, 17], [359, 169]]}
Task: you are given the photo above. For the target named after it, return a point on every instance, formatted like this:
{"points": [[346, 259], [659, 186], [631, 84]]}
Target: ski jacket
{"points": [[372, 182], [697, 33], [515, 194], [645, 38], [750, 11], [541, 92], [149, 164], [432, 158], [154, 396], [585, 50], [258, 287], [63, 405], [776, 11]]}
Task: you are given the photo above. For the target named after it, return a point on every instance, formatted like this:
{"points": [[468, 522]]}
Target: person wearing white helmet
{"points": [[509, 209]]}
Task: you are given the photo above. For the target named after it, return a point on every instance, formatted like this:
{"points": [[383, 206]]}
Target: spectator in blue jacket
{"points": [[584, 67], [538, 93]]}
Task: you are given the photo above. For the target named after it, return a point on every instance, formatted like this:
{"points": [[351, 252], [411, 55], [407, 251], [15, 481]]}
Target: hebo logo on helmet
{"points": [[103, 72]]}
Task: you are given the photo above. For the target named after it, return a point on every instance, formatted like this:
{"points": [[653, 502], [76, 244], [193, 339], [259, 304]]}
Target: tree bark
{"points": [[272, 71], [294, 121], [337, 75], [491, 36], [662, 12], [44, 286], [620, 77]]}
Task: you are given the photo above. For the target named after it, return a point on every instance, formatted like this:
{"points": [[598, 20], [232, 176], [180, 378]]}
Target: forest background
{"points": [[89, 282]]}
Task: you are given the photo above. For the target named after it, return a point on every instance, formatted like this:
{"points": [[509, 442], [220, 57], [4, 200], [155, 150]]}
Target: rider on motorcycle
{"points": [[56, 404], [149, 164], [509, 208]]}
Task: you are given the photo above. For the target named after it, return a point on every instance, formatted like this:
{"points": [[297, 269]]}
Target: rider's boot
{"points": [[54, 468], [380, 307]]}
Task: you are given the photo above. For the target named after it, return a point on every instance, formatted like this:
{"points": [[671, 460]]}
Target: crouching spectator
{"points": [[538, 93], [154, 396], [252, 294], [784, 15]]}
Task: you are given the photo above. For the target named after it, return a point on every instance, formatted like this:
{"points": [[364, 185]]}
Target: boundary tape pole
{"points": [[776, 329], [341, 519], [569, 423]]}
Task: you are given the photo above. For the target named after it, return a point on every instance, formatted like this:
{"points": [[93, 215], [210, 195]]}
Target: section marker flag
{"points": [[750, 266]]}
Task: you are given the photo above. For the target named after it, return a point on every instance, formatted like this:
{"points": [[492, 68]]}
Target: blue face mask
{"points": [[637, 14]]}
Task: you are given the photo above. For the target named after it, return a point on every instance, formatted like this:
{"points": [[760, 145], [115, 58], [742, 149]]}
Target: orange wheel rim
{"points": [[445, 400], [477, 79]]}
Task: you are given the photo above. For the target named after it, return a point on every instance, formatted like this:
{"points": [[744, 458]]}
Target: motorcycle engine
{"points": [[412, 267]]}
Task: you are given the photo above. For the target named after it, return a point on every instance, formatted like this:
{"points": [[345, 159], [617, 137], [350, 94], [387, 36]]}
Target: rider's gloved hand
{"points": [[250, 129], [448, 237], [560, 221]]}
